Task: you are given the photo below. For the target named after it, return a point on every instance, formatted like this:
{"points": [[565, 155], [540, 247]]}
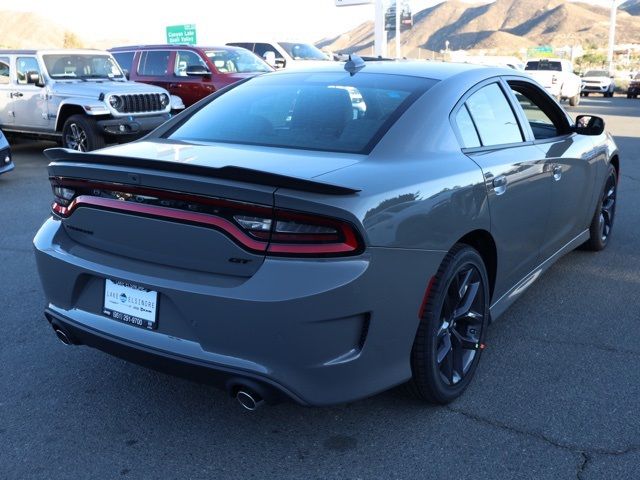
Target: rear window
{"points": [[312, 111], [544, 65]]}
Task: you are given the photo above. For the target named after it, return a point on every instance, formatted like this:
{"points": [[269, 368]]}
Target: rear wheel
{"points": [[575, 100], [629, 95], [602, 222], [586, 94], [447, 347], [81, 133]]}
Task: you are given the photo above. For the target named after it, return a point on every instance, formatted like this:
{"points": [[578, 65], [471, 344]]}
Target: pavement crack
{"points": [[604, 348], [585, 452], [631, 178], [584, 461]]}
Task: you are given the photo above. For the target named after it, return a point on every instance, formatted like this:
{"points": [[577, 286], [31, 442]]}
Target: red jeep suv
{"points": [[188, 72]]}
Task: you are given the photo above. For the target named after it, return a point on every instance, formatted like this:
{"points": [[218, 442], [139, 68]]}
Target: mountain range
{"points": [[503, 25]]}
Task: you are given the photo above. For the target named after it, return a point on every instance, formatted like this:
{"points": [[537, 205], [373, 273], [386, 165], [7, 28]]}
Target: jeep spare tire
{"points": [[81, 133]]}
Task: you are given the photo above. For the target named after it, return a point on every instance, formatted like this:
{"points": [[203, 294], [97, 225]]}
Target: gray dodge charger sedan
{"points": [[282, 241]]}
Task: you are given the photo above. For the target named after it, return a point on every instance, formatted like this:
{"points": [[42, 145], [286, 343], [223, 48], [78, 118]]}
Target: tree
{"points": [[71, 40]]}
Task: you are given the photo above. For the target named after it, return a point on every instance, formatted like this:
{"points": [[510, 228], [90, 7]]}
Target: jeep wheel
{"points": [[81, 133]]}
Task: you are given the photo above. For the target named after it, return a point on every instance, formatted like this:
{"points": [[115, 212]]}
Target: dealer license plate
{"points": [[130, 303]]}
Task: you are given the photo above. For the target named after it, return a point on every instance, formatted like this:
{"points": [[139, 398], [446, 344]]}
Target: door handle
{"points": [[16, 94], [557, 172], [500, 184]]}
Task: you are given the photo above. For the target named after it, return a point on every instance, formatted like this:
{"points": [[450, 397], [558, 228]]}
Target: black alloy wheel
{"points": [[604, 216], [81, 134], [448, 343]]}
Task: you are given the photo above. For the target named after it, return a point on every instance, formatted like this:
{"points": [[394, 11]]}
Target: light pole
{"points": [[380, 32], [612, 34], [398, 55]]}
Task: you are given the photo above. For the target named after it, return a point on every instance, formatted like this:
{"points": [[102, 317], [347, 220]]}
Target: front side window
{"points": [[240, 61], [313, 111], [154, 63], [4, 70], [185, 59], [492, 115], [24, 67], [84, 66], [541, 124]]}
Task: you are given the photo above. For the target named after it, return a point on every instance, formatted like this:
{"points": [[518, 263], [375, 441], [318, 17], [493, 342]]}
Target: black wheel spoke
{"points": [[458, 337], [464, 342]]}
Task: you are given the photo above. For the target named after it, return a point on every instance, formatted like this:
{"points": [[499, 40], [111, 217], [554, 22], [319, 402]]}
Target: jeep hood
{"points": [[93, 88]]}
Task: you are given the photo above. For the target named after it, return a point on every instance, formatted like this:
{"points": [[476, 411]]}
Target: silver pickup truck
{"points": [[80, 98]]}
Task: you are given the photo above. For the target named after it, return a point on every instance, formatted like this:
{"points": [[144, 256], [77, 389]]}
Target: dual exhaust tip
{"points": [[249, 400]]}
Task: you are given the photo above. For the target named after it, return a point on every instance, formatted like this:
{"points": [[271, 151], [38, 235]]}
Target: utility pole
{"points": [[612, 34], [380, 32], [398, 13]]}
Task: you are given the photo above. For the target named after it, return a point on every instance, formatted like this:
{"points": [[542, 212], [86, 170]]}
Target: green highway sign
{"points": [[181, 34]]}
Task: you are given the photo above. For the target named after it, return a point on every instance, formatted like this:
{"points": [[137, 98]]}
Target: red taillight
{"points": [[255, 227]]}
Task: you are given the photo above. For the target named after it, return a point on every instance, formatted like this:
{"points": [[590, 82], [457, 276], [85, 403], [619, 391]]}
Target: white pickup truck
{"points": [[556, 75]]}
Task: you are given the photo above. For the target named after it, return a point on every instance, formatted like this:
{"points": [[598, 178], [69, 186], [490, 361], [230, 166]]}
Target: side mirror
{"points": [[197, 71], [33, 78], [270, 58], [589, 125], [281, 63], [126, 74]]}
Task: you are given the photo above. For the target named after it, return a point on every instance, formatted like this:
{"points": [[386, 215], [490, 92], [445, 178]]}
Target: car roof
{"points": [[173, 46], [59, 51], [417, 68]]}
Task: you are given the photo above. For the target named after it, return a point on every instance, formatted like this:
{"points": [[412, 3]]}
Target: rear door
{"points": [[154, 67], [569, 160], [517, 183]]}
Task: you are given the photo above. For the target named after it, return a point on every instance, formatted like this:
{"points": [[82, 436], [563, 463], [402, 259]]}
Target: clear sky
{"points": [[217, 21]]}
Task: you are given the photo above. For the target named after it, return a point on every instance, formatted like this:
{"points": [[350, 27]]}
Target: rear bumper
{"points": [[319, 332], [132, 125]]}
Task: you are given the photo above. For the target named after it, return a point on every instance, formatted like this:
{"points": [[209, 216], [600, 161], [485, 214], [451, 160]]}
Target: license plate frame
{"points": [[129, 303]]}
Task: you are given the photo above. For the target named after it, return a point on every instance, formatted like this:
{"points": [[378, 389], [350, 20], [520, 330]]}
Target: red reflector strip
{"points": [[425, 299], [163, 212]]}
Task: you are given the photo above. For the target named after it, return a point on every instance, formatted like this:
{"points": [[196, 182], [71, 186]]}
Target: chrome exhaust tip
{"points": [[62, 336], [249, 400]]}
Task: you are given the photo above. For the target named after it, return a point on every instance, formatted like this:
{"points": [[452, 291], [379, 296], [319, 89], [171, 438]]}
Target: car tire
{"points": [[602, 222], [448, 343], [586, 94], [81, 133], [574, 101], [629, 95]]}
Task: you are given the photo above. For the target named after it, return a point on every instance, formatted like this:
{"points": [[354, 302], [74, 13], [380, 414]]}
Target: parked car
{"points": [[598, 81], [634, 87], [6, 164], [271, 242], [77, 97], [406, 17], [286, 54], [188, 72], [556, 75]]}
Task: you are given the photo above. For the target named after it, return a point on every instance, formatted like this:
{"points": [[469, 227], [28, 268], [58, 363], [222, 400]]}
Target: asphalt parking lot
{"points": [[556, 396]]}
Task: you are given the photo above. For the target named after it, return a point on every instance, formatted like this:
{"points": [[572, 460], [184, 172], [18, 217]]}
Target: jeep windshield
{"points": [[237, 61], [303, 51], [82, 66]]}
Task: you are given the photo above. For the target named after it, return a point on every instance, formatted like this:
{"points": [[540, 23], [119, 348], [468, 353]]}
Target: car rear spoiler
{"points": [[239, 174]]}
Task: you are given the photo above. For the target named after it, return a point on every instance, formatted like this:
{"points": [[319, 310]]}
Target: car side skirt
{"points": [[505, 301]]}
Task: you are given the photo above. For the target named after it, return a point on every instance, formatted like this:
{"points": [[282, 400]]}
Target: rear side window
{"points": [[124, 59], [313, 111], [492, 115], [4, 70], [467, 129], [154, 63]]}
